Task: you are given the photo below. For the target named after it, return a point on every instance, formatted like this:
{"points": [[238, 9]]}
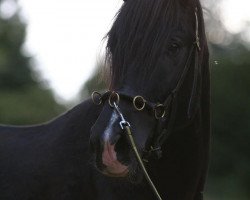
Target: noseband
{"points": [[139, 103], [165, 113]]}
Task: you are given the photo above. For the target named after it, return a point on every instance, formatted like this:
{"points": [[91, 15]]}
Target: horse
{"points": [[158, 89]]}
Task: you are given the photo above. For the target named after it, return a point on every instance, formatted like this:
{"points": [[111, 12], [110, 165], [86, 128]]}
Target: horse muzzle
{"points": [[113, 167]]}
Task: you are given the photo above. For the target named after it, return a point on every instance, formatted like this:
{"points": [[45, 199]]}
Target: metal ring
{"points": [[163, 114], [117, 99], [96, 96], [143, 103]]}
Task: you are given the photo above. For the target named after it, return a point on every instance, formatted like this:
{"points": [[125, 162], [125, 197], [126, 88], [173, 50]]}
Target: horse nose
{"points": [[95, 138], [106, 145], [93, 142], [105, 131], [112, 131]]}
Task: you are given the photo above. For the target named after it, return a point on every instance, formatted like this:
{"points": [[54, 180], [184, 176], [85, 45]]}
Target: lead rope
{"points": [[125, 125]]}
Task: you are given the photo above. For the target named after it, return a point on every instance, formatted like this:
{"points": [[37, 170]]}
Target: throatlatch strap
{"points": [[165, 133], [195, 88]]}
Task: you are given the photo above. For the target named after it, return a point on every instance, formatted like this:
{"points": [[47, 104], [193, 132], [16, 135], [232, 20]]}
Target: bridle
{"points": [[164, 112]]}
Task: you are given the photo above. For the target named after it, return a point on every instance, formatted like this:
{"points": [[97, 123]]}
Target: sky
{"points": [[66, 38], [235, 14]]}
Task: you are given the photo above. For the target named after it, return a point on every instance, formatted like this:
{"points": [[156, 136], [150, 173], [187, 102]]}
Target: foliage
{"points": [[229, 171], [29, 106], [24, 99], [96, 82], [15, 72]]}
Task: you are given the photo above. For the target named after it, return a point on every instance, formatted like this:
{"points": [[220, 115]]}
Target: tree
{"points": [[23, 99], [97, 81], [229, 170]]}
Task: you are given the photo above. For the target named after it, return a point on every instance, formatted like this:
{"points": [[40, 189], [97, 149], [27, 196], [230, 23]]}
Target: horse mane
{"points": [[137, 35]]}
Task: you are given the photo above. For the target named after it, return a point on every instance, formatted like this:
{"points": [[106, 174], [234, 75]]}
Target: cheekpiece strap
{"points": [[197, 37]]}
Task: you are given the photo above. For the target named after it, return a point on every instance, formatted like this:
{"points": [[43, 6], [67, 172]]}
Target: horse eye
{"points": [[174, 49]]}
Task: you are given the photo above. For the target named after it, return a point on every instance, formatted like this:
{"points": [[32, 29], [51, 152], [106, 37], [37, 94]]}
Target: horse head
{"points": [[155, 50]]}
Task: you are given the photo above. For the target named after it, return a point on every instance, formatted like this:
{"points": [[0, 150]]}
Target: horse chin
{"points": [[115, 174], [135, 175]]}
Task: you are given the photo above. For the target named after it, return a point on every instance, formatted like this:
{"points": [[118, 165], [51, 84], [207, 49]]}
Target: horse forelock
{"points": [[140, 29]]}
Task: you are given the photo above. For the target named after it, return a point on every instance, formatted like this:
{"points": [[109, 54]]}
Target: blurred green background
{"points": [[26, 99]]}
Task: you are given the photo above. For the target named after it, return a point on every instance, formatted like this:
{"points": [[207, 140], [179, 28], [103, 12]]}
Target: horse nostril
{"points": [[114, 139], [122, 148]]}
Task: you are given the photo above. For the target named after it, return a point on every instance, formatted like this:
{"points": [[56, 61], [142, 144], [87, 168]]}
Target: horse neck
{"points": [[76, 121]]}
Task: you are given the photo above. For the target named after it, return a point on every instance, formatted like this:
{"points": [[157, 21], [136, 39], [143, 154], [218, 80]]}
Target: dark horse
{"points": [[159, 69]]}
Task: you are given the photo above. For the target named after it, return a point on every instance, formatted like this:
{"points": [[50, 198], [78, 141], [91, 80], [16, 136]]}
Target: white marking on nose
{"points": [[108, 131]]}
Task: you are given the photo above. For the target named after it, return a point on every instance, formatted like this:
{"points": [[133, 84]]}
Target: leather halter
{"points": [[169, 107], [158, 110], [166, 128], [166, 121]]}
